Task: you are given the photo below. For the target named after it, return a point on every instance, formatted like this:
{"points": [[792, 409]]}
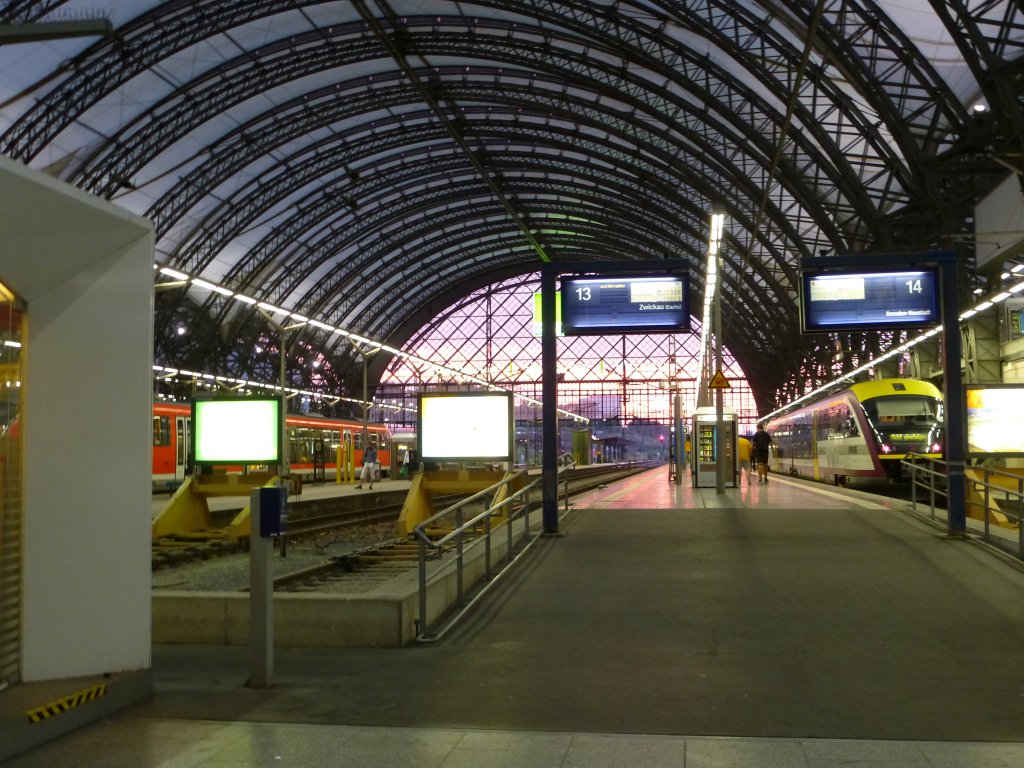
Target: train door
{"points": [[319, 458], [347, 455], [832, 450], [181, 432], [836, 429]]}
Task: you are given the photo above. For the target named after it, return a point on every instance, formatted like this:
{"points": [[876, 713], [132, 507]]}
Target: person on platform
{"points": [[369, 466], [761, 441], [744, 455]]}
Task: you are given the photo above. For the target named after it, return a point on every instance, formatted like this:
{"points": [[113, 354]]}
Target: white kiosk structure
{"points": [[709, 447]]}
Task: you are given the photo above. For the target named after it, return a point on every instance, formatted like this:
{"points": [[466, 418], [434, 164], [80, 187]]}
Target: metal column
{"points": [[953, 395], [549, 409]]}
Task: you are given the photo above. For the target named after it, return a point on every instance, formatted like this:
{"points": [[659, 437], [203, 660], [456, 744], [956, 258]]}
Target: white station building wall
{"points": [[85, 270]]}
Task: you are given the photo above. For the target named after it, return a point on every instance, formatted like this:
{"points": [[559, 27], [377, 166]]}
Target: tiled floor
{"points": [[125, 742]]}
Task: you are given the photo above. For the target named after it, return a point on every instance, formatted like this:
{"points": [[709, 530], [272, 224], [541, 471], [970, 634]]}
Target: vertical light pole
{"points": [[285, 465], [366, 399], [713, 285], [366, 354]]}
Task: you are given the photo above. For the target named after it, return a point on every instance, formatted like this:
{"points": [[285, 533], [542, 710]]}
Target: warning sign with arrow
{"points": [[718, 381]]}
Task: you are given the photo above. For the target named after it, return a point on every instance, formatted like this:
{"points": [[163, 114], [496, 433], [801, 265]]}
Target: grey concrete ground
{"points": [[791, 614], [788, 625]]}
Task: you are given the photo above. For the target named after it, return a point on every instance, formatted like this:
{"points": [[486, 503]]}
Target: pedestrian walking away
{"points": [[761, 442], [369, 466], [745, 453]]}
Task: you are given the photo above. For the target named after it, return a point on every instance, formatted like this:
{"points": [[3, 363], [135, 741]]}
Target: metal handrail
{"points": [[458, 535], [932, 469], [565, 462], [491, 489]]}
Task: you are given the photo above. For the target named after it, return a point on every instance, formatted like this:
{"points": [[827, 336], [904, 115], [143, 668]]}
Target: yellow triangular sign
{"points": [[718, 381]]}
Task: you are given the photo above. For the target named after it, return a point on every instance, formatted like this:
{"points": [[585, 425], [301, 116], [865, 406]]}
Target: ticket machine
{"points": [[709, 447]]}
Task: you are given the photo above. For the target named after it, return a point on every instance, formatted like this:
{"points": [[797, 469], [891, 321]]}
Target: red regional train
{"points": [[309, 438]]}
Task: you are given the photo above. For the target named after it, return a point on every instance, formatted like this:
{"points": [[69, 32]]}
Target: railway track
{"points": [[315, 532], [400, 555], [203, 545]]}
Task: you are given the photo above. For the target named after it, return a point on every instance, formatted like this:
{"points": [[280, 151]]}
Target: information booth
{"points": [[707, 446]]}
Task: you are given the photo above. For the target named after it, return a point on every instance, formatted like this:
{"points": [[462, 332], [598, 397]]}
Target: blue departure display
{"points": [[625, 304], [864, 301]]}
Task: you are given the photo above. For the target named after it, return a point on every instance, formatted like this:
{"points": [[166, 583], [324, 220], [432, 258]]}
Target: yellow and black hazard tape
{"points": [[66, 704]]}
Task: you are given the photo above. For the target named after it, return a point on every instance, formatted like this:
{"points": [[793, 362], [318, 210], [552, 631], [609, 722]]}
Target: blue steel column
{"points": [[953, 390], [549, 409], [953, 395]]}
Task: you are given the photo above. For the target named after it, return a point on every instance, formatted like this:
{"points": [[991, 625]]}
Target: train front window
{"points": [[902, 411]]}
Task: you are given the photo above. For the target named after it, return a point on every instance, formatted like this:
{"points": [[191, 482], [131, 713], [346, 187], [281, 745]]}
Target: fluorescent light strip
{"points": [[173, 273], [211, 287], [199, 282], [169, 372], [965, 315], [711, 281]]}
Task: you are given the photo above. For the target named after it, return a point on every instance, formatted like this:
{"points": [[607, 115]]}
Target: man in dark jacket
{"points": [[761, 442]]}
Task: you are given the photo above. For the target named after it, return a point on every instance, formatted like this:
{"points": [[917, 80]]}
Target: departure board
{"points": [[625, 304], [864, 301]]}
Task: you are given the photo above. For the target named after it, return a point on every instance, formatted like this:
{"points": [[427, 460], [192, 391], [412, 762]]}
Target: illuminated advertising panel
{"points": [[236, 430], [625, 304], [995, 420], [864, 301], [465, 426]]}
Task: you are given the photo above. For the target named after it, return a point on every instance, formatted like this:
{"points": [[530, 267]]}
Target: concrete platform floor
{"points": [[779, 625]]}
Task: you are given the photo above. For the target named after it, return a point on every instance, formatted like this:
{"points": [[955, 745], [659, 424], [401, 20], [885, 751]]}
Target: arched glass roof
{"points": [[368, 163]]}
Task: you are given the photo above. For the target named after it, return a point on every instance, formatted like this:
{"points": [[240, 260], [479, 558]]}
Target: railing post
{"points": [[988, 495], [423, 588], [913, 487], [1020, 519], [526, 511], [507, 506], [458, 555], [931, 495], [487, 547]]}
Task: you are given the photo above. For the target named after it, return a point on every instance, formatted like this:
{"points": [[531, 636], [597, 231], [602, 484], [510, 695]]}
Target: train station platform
{"points": [[790, 624], [309, 492]]}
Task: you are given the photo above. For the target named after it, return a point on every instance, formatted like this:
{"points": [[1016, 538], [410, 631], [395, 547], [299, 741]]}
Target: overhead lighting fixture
{"points": [[710, 285], [207, 285], [199, 283], [173, 273]]}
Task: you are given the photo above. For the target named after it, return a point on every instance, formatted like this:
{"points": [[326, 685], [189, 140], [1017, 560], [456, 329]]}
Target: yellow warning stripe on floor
{"points": [[66, 704]]}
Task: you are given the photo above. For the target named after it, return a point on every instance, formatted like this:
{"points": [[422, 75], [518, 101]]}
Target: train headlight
{"points": [[886, 448], [936, 447]]}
